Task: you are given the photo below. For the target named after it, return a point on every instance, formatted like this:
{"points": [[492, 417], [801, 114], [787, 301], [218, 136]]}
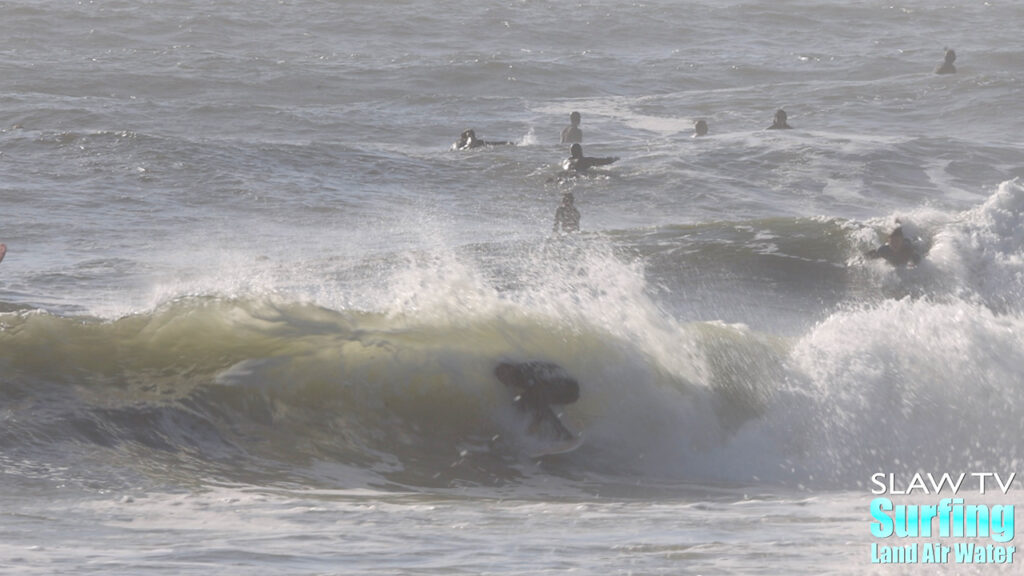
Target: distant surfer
{"points": [[468, 140], [898, 251], [538, 385], [567, 216], [3, 251], [779, 121], [577, 163], [572, 133], [700, 128], [947, 65]]}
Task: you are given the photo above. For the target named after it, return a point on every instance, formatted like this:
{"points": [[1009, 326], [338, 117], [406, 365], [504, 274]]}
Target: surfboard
{"points": [[539, 448], [549, 436]]}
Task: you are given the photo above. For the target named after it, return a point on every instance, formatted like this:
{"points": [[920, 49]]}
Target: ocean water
{"points": [[252, 301]]}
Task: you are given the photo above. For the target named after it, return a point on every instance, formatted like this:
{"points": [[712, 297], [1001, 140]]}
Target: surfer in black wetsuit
{"points": [[898, 251], [567, 216], [538, 385], [469, 140], [779, 122], [947, 66], [577, 163], [572, 132]]}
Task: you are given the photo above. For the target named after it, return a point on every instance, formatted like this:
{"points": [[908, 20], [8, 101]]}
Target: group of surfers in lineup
{"points": [[898, 250]]}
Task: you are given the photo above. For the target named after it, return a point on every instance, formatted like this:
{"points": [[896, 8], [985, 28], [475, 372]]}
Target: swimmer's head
{"points": [[700, 128], [574, 118], [567, 199], [950, 56], [468, 135], [780, 115], [576, 151]]}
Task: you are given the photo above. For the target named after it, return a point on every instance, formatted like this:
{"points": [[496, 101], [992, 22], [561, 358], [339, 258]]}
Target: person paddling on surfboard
{"points": [[577, 163], [468, 140], [538, 385], [567, 216]]}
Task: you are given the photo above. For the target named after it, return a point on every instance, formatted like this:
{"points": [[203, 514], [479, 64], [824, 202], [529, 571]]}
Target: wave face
{"points": [[396, 388], [288, 388]]}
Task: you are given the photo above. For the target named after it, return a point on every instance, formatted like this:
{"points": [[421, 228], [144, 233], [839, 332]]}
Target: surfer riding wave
{"points": [[538, 385]]}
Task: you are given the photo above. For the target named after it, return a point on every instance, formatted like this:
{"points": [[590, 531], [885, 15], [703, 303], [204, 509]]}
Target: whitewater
{"points": [[252, 300]]}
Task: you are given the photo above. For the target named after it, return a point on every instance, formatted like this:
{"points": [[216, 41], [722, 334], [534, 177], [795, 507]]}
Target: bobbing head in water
{"points": [[947, 66], [779, 122], [572, 132]]}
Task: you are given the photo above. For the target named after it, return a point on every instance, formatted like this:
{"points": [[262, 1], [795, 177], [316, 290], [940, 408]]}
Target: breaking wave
{"points": [[402, 393]]}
